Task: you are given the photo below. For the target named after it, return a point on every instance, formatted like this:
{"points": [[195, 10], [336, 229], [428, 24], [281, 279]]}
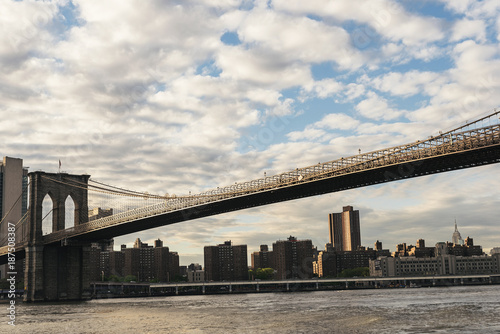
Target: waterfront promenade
{"points": [[116, 289]]}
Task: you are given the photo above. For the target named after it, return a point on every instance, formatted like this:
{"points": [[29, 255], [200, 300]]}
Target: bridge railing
{"points": [[443, 144], [436, 146]]}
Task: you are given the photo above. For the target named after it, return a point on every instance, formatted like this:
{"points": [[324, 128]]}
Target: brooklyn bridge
{"points": [[56, 255]]}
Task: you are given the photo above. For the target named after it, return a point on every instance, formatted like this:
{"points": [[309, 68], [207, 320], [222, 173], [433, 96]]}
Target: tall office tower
{"points": [[13, 200], [456, 237], [293, 258], [226, 262], [13, 192], [345, 233]]}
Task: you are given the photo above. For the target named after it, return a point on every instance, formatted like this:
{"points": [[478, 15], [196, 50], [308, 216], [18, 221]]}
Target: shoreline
{"points": [[106, 290]]}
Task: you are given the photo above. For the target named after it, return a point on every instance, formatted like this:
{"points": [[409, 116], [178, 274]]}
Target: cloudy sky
{"points": [[179, 96]]}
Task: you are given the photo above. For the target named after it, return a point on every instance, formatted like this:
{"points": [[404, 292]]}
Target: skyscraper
{"points": [[13, 191], [457, 238], [13, 198], [345, 233]]}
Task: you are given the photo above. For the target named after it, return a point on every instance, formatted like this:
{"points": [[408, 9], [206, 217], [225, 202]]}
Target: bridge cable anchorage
{"points": [[474, 135]]}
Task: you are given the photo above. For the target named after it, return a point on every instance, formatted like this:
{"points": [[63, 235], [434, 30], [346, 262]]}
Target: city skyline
{"points": [[350, 216], [414, 242], [210, 93]]}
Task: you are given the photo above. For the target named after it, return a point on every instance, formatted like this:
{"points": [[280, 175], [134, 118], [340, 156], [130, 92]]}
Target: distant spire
{"points": [[457, 238]]}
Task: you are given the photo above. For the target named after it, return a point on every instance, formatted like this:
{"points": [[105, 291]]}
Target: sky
{"points": [[185, 96]]}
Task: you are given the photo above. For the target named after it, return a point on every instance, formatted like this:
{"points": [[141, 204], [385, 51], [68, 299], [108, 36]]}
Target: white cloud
{"points": [[407, 84], [388, 18], [473, 84], [318, 131], [498, 28], [261, 67], [394, 51], [309, 133], [323, 88], [469, 29], [376, 107], [354, 91], [298, 38], [460, 6], [338, 121], [473, 8], [24, 31]]}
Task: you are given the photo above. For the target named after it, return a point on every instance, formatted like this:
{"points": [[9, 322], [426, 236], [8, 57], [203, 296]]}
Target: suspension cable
{"points": [[15, 203], [17, 223]]}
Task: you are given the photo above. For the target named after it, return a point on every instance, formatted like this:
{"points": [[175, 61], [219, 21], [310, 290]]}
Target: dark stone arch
{"points": [[59, 187]]}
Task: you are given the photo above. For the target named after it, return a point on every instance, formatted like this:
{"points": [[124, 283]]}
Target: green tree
{"points": [[179, 278], [130, 278], [356, 272], [251, 274], [114, 278], [264, 273]]}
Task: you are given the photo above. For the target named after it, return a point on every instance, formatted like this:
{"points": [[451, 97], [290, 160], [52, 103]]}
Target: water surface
{"points": [[470, 309]]}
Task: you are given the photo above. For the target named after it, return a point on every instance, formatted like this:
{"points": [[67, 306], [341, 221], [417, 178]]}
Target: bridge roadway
{"points": [[453, 150], [468, 153]]}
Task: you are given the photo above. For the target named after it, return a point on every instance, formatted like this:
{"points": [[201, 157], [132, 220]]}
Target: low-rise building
{"points": [[495, 250], [332, 262], [196, 275], [142, 261], [98, 213], [441, 264], [263, 258]]}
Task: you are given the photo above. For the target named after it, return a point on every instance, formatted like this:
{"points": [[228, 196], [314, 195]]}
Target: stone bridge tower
{"points": [[56, 271]]}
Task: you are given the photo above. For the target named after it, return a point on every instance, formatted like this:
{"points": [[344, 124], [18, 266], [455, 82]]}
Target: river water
{"points": [[461, 309]]}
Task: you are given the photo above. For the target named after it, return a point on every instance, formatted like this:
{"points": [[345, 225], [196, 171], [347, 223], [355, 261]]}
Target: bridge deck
{"points": [[449, 151]]}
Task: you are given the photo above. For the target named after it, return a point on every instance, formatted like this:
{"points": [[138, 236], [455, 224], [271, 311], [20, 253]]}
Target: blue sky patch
{"points": [[230, 38]]}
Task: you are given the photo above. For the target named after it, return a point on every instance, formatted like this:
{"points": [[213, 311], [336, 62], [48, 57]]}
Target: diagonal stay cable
{"points": [[15, 203]]}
